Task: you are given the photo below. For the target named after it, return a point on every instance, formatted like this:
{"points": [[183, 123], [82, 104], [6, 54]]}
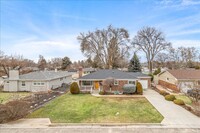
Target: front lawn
{"points": [[84, 108], [9, 96]]}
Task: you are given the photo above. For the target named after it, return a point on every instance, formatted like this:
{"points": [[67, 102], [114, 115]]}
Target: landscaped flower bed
{"points": [[19, 108]]}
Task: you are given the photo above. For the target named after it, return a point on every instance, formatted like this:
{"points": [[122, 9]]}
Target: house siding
{"points": [[168, 85], [148, 79], [58, 82], [16, 85], [167, 77], [118, 87]]}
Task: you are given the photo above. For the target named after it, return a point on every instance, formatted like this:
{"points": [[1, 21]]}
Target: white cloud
{"points": [[186, 43], [55, 47], [178, 4], [184, 32], [190, 2], [74, 17]]}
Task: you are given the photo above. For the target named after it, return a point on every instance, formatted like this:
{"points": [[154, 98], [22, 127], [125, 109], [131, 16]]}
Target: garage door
{"points": [[144, 83]]}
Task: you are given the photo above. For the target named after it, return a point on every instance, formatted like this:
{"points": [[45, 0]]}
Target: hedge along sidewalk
{"points": [[118, 96]]}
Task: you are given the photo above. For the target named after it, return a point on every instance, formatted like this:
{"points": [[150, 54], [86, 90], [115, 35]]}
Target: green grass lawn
{"points": [[84, 108], [186, 99], [9, 96]]}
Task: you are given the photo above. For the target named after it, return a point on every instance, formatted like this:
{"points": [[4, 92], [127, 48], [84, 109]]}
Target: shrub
{"points": [[74, 88], [157, 71], [179, 102], [18, 109], [129, 89], [102, 93], [116, 92], [170, 97], [139, 88], [163, 92]]}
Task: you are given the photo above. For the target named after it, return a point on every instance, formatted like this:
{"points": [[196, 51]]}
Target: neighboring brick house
{"points": [[96, 80], [179, 80]]}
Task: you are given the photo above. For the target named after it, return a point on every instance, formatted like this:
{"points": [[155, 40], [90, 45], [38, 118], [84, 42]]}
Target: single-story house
{"points": [[88, 70], [36, 81], [179, 80], [95, 80]]}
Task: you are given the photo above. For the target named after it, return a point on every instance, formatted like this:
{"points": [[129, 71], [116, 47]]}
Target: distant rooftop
{"points": [[89, 69], [185, 74], [44, 75]]}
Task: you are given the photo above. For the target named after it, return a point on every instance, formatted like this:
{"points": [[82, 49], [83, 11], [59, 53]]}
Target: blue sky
{"points": [[50, 28]]}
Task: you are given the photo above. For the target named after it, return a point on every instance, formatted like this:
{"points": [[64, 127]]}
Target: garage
{"points": [[144, 84]]}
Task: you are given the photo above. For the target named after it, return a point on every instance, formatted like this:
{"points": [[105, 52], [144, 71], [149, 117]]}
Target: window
{"points": [[23, 83], [87, 83], [7, 82], [38, 83], [131, 82], [116, 82], [167, 79], [61, 79]]}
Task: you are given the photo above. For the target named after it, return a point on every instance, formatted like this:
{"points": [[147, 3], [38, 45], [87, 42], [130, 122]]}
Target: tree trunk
{"points": [[150, 67]]}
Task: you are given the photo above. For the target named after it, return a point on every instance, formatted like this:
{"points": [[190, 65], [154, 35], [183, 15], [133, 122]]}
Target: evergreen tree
{"points": [[65, 62], [134, 65]]}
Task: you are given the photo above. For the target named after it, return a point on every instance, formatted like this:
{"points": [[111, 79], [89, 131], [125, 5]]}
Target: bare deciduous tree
{"points": [[13, 62], [107, 45], [151, 41], [42, 64], [109, 82]]}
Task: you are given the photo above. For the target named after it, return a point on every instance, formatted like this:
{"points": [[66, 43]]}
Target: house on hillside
{"points": [[94, 81], [36, 81], [179, 80]]}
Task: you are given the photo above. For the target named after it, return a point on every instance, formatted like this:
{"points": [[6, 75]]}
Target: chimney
{"points": [[14, 74], [80, 70]]}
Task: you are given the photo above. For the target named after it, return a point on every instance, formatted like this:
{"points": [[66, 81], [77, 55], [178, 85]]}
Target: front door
{"points": [[96, 85]]}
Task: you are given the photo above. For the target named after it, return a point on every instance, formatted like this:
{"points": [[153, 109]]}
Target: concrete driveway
{"points": [[174, 115]]}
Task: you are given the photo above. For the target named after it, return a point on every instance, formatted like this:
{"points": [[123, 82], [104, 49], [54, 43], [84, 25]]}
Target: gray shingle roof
{"points": [[89, 69], [44, 75], [107, 73], [138, 74]]}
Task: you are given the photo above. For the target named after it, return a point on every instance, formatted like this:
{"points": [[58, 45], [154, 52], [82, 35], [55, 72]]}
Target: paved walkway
{"points": [[173, 114]]}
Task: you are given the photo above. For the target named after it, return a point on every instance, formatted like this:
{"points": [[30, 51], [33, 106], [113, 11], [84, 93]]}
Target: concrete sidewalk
{"points": [[99, 129], [173, 114], [28, 123]]}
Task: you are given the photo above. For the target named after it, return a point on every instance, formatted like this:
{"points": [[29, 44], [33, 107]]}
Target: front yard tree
{"points": [[109, 83], [13, 62], [42, 63], [65, 62], [106, 45], [151, 41], [134, 65], [55, 63]]}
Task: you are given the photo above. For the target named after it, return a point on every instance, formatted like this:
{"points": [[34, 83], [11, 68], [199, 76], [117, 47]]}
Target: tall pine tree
{"points": [[134, 65]]}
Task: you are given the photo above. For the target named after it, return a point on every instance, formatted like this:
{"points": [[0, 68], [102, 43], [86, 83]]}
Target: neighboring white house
{"points": [[36, 81]]}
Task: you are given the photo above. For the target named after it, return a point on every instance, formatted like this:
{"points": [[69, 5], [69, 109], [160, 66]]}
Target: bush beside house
{"points": [[74, 88], [163, 92], [170, 97], [139, 88], [179, 102]]}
